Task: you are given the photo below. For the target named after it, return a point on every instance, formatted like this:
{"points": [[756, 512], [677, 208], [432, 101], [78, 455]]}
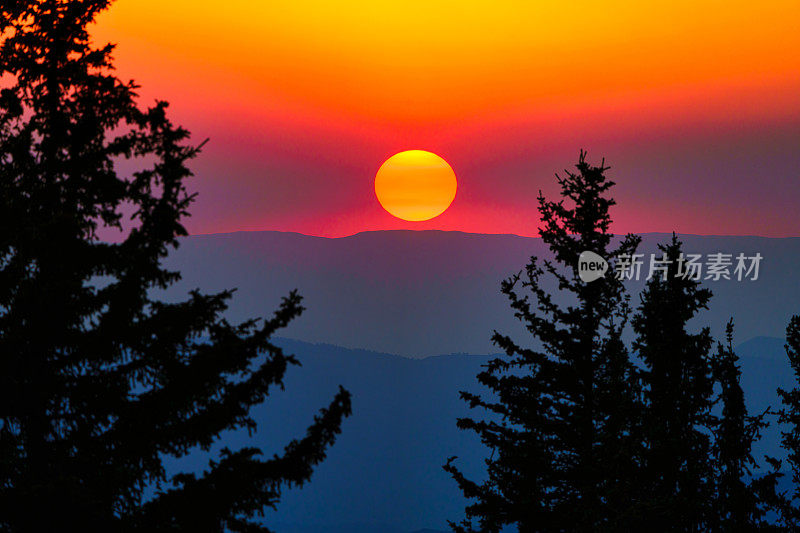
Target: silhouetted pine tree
{"points": [[677, 488], [743, 498], [562, 457], [698, 469], [100, 382], [790, 417]]}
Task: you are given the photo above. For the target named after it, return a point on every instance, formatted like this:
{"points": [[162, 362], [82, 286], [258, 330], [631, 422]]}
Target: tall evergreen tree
{"points": [[790, 417], [743, 497], [100, 382], [678, 389], [698, 471], [561, 407]]}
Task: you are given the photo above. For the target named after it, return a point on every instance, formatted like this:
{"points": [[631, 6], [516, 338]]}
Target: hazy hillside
{"points": [[384, 474], [419, 294], [428, 292]]}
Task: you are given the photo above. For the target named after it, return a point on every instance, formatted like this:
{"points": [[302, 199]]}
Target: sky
{"points": [[694, 105]]}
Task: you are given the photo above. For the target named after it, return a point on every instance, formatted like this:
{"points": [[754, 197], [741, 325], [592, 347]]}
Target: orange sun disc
{"points": [[415, 185]]}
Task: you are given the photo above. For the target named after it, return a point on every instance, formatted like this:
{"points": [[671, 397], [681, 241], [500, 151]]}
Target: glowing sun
{"points": [[415, 185]]}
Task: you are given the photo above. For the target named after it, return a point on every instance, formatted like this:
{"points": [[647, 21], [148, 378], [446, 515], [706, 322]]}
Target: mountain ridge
{"points": [[384, 471], [367, 232], [417, 293]]}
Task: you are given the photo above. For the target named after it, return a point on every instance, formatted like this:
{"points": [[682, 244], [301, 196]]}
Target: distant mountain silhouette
{"points": [[384, 474], [418, 293], [763, 347]]}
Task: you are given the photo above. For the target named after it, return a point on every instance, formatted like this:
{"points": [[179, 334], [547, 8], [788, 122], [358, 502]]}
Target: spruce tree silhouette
{"points": [[99, 381], [790, 436], [698, 472], [743, 499], [678, 387], [562, 449]]}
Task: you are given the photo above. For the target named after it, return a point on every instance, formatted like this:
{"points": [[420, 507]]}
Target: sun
{"points": [[415, 185]]}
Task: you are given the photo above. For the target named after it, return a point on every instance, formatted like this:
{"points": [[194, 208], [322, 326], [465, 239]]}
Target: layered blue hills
{"points": [[381, 306], [422, 293], [384, 473]]}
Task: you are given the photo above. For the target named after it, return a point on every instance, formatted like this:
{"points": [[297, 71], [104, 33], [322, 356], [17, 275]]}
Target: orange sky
{"points": [[295, 91]]}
